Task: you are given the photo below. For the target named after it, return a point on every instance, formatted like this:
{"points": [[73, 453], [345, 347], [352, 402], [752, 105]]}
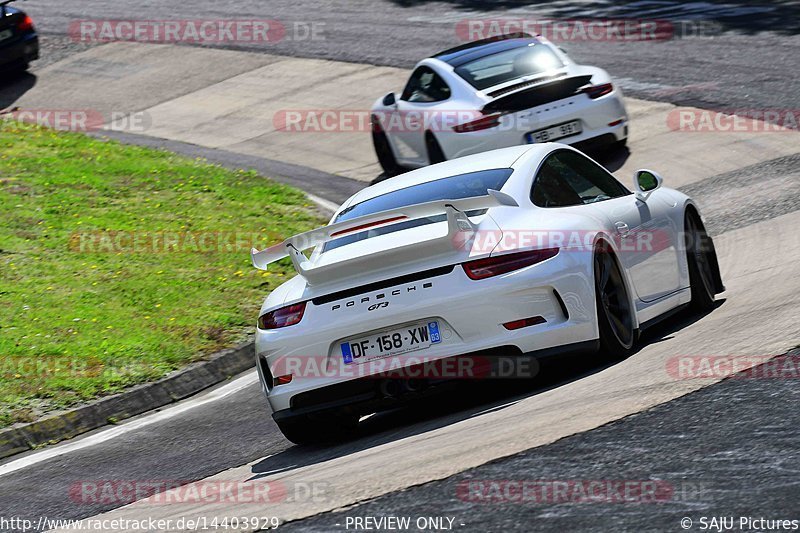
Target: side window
{"points": [[550, 189], [569, 178], [425, 86]]}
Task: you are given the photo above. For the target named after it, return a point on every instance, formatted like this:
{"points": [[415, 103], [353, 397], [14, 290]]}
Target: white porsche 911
{"points": [[494, 93], [517, 253]]}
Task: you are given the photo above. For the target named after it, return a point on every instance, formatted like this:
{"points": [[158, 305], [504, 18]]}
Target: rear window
{"points": [[457, 187], [509, 65]]}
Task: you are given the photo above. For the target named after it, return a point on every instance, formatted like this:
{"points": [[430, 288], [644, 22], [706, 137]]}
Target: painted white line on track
{"points": [[326, 205], [134, 424]]}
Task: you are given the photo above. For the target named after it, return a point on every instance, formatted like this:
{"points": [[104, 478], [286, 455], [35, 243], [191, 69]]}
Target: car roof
{"points": [[461, 55], [502, 158]]}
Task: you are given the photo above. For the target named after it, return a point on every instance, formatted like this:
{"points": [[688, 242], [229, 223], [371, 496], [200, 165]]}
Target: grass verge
{"points": [[119, 264]]}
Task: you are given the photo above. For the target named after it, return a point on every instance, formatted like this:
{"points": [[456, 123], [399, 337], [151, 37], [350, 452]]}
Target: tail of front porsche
{"points": [[404, 280], [544, 97]]}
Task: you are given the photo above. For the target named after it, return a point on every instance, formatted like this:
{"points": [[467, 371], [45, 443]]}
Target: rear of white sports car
{"points": [[529, 91], [387, 308], [498, 93], [578, 106]]}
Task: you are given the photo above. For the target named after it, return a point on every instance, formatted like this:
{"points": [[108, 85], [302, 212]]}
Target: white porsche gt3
{"points": [[494, 93], [516, 253]]}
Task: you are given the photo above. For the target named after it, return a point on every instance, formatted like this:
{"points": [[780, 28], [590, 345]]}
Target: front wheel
{"points": [[614, 311], [384, 151], [701, 258]]}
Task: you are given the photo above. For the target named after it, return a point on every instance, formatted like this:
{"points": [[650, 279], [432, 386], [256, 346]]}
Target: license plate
{"points": [[5, 34], [555, 132], [392, 342]]}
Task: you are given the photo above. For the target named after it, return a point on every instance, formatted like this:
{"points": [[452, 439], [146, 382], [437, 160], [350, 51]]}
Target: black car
{"points": [[19, 43]]}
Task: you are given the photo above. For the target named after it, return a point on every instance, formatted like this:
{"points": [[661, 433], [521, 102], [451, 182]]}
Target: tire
{"points": [[435, 153], [701, 258], [16, 69], [384, 151], [303, 429], [614, 309]]}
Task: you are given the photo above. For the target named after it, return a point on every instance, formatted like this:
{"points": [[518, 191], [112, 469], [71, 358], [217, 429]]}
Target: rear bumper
{"points": [[601, 120], [19, 51], [373, 394], [471, 316]]}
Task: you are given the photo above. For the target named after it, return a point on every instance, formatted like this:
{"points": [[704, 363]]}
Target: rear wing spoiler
{"points": [[455, 210]]}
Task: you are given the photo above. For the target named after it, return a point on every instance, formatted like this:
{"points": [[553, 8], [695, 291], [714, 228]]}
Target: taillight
{"points": [[26, 24], [524, 323], [502, 264], [282, 380], [482, 123], [596, 91], [280, 318]]}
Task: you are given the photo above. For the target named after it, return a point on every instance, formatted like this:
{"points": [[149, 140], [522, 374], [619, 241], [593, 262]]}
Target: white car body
{"points": [[374, 284], [406, 124]]}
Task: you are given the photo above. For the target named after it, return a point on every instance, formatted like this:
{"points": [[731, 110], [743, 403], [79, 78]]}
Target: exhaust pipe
{"points": [[414, 385], [390, 388]]}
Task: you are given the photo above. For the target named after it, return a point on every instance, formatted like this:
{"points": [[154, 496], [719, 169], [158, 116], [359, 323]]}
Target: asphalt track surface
{"points": [[727, 450], [752, 431]]}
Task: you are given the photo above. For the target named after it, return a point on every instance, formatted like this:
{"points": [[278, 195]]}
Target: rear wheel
{"points": [[435, 153], [702, 259], [614, 311], [303, 429]]}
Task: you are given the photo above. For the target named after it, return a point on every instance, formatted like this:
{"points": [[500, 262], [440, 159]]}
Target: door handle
{"points": [[622, 229]]}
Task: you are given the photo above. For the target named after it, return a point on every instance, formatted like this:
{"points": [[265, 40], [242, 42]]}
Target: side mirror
{"points": [[389, 100], [645, 182]]}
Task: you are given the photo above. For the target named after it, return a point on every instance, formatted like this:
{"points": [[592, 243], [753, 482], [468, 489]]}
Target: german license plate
{"points": [[5, 34], [392, 342], [555, 132]]}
